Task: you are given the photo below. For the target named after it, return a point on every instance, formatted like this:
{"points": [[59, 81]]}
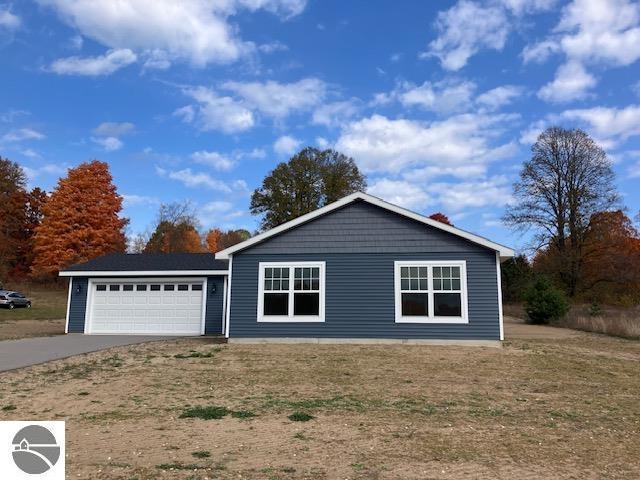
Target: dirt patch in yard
{"points": [[536, 408], [10, 329]]}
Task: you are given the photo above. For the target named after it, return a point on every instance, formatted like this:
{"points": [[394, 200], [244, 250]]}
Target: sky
{"points": [[437, 102]]}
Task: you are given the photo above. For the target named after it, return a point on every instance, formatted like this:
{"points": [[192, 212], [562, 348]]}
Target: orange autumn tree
{"points": [[81, 220], [441, 217], [218, 240], [176, 230], [213, 240]]}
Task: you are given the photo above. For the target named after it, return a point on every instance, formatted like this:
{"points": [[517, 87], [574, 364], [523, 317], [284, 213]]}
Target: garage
{"points": [[148, 294], [151, 306]]}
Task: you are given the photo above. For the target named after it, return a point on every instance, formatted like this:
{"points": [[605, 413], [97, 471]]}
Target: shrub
{"points": [[212, 412], [544, 302], [300, 417]]}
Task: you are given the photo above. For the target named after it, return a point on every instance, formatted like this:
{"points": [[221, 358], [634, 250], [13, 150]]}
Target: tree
{"points": [[218, 240], [20, 214], [309, 180], [441, 217], [567, 180], [81, 220], [544, 302], [516, 276], [176, 230]]}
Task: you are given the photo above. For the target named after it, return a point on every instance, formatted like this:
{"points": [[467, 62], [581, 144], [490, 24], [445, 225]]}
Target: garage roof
{"points": [[150, 263]]}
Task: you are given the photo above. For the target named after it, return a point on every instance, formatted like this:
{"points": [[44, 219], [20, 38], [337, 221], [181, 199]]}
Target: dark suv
{"points": [[9, 299]]}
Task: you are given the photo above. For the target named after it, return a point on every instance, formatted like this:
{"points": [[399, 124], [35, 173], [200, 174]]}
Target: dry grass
{"points": [[545, 408], [611, 321]]}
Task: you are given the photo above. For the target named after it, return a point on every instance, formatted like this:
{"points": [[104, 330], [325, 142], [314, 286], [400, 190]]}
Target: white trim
{"points": [[141, 273], [431, 318], [224, 305], [227, 313], [66, 323], [505, 252], [499, 278], [89, 304], [290, 318], [204, 305]]}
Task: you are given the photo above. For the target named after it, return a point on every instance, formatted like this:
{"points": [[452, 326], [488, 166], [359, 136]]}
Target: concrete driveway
{"points": [[32, 351]]}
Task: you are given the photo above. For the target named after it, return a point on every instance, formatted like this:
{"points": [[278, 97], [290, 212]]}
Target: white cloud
{"points": [[110, 144], [217, 206], [590, 32], [194, 179], [465, 29], [48, 169], [519, 7], [336, 113], [9, 20], [322, 142], [446, 96], [272, 47], [214, 112], [572, 82], [105, 64], [380, 144], [286, 145], [131, 200], [498, 97], [214, 159], [113, 129], [278, 100], [400, 192], [21, 134], [30, 153], [608, 125], [156, 60], [194, 30], [495, 191], [539, 52], [532, 132]]}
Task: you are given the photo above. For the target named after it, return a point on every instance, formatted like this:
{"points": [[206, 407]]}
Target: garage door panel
{"points": [[168, 308]]}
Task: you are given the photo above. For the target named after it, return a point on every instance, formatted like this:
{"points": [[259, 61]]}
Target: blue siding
{"points": [[360, 302], [215, 302], [359, 244], [213, 312], [77, 307]]}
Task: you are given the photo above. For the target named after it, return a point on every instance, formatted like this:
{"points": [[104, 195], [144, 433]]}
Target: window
{"points": [[168, 287], [101, 288], [183, 288], [127, 288], [196, 287], [141, 288], [291, 292], [431, 292], [114, 288], [155, 288]]}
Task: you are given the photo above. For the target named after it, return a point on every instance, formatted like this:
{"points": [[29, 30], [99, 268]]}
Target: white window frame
{"points": [[431, 318], [290, 317]]}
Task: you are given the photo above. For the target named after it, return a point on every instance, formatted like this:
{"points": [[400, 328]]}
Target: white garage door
{"points": [[146, 307]]}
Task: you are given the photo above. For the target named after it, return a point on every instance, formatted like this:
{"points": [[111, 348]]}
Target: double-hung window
{"points": [[431, 292], [291, 292]]}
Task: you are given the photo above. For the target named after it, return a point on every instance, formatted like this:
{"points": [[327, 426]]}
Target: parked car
{"points": [[9, 299]]}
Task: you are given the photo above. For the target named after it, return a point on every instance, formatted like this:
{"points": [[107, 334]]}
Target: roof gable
{"points": [[504, 252]]}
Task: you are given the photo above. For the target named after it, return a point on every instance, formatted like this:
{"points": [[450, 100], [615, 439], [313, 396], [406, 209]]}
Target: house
{"points": [[359, 269]]}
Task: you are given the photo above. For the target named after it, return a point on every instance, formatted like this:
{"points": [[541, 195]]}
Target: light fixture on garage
{"points": [[78, 288], [213, 288]]}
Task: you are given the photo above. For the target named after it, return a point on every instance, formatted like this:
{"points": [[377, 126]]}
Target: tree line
{"points": [[583, 241]]}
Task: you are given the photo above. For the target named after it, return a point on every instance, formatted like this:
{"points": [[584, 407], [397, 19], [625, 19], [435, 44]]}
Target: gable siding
{"points": [[360, 244], [78, 305], [363, 228]]}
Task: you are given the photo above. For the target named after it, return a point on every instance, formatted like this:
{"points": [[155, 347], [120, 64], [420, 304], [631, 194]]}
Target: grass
{"points": [[300, 417], [49, 302], [211, 412], [551, 407], [617, 322], [201, 454], [196, 354]]}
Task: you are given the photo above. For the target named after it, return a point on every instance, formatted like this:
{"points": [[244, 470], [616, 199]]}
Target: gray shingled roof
{"points": [[146, 262]]}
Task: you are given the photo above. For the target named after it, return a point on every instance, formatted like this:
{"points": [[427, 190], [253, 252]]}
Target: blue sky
{"points": [[438, 102]]}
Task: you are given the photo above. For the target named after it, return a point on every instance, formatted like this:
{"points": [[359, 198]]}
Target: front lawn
{"points": [[545, 408], [49, 302]]}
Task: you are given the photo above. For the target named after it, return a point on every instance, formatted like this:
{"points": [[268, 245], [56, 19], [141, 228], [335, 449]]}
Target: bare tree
{"points": [[567, 180]]}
